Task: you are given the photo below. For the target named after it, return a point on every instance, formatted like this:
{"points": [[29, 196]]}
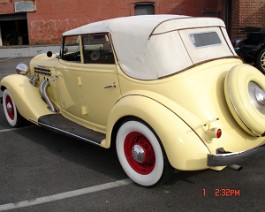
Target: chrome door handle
{"points": [[113, 85]]}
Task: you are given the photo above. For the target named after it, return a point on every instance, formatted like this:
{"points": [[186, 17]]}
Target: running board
{"points": [[58, 123]]}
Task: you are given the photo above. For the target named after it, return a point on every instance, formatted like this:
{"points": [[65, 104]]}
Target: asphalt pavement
{"points": [[44, 171]]}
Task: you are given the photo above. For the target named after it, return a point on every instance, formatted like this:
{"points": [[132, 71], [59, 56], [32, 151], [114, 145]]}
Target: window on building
{"points": [[97, 49], [71, 49], [144, 8]]}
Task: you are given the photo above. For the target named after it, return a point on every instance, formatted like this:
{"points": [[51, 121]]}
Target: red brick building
{"points": [[247, 13], [42, 22]]}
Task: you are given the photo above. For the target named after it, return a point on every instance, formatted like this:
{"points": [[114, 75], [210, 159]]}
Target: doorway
{"points": [[13, 30]]}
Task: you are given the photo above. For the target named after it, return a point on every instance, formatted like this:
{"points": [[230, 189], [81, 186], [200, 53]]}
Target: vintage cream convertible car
{"points": [[167, 91]]}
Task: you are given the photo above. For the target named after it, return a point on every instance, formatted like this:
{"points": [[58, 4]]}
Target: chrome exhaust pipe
{"points": [[33, 80], [43, 90]]}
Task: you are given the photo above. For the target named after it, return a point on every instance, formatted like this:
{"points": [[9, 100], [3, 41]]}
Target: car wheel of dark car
{"points": [[140, 154], [12, 115], [260, 60]]}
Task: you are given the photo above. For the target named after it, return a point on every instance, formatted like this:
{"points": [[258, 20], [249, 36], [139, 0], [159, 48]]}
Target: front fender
{"points": [[27, 97], [183, 147]]}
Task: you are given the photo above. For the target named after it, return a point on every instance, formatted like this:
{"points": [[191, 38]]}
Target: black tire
{"points": [[260, 60]]}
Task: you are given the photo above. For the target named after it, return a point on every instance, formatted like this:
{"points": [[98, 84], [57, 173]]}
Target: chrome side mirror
{"points": [[22, 69]]}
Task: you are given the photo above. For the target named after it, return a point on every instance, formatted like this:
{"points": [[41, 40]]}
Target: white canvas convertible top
{"points": [[141, 52]]}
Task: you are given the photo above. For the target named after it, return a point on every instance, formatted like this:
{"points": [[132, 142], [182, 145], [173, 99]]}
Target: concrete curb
{"points": [[26, 51]]}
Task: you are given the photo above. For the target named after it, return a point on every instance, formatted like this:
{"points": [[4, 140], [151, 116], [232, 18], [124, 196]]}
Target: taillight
{"points": [[214, 132], [218, 133]]}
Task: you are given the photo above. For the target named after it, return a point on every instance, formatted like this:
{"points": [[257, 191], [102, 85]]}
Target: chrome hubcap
{"points": [[257, 96], [260, 96], [9, 108], [138, 153]]}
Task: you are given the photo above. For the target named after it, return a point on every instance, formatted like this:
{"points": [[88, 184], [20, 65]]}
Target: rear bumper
{"points": [[223, 158]]}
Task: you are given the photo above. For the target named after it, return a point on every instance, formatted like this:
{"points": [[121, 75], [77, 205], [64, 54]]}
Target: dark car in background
{"points": [[252, 48]]}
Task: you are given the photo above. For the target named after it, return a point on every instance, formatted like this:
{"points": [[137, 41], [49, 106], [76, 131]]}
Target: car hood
{"points": [[43, 61]]}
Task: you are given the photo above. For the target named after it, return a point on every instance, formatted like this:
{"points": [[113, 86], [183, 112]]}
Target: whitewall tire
{"points": [[12, 115], [140, 154]]}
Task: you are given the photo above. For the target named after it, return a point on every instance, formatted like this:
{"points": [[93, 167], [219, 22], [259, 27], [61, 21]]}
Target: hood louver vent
{"points": [[42, 71]]}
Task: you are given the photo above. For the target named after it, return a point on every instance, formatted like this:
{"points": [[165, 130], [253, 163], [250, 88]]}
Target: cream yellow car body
{"points": [[27, 97], [169, 115], [182, 108]]}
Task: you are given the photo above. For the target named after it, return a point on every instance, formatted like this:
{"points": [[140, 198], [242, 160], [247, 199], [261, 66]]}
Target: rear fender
{"points": [[184, 149], [27, 97]]}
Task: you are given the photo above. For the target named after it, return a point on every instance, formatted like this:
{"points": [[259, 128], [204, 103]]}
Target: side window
{"points": [[71, 49], [97, 49]]}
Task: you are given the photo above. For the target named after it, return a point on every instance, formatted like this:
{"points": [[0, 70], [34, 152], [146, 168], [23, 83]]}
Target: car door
{"points": [[87, 79], [67, 69], [99, 78]]}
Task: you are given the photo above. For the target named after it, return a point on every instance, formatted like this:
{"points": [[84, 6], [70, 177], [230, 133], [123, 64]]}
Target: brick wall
{"points": [[188, 7], [67, 14], [247, 13], [47, 27], [53, 17], [252, 12], [6, 7]]}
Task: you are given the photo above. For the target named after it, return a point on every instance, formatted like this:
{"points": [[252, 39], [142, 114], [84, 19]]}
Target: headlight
{"points": [[22, 69]]}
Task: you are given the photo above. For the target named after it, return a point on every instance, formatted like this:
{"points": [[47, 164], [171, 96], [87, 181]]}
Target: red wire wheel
{"points": [[10, 107], [139, 153]]}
